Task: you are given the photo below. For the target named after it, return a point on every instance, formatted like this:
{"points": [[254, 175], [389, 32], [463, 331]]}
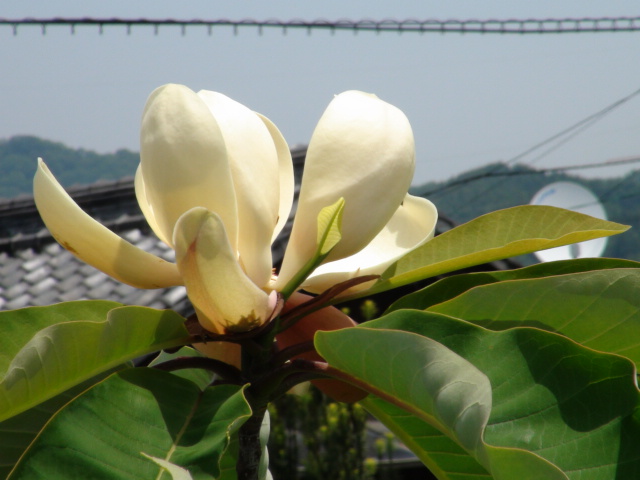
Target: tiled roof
{"points": [[31, 277]]}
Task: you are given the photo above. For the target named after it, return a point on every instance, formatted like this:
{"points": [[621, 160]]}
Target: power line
{"points": [[568, 133], [488, 26], [543, 171]]}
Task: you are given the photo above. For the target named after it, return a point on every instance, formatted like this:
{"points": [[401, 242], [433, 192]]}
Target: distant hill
{"points": [[18, 161], [497, 186]]}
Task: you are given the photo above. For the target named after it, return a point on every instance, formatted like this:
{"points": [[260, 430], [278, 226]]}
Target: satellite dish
{"points": [[574, 197]]}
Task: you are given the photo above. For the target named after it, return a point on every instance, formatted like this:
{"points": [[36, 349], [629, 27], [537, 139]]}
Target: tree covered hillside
{"points": [[18, 160]]}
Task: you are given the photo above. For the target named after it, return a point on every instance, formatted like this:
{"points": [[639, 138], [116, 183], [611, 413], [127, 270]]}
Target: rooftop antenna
{"points": [[571, 196]]}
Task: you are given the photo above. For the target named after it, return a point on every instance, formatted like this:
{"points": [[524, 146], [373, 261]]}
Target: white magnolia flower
{"points": [[215, 183]]}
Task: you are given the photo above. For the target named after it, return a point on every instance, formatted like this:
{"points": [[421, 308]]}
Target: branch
{"points": [[228, 372]]}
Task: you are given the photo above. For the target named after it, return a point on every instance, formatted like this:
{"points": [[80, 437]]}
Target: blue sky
{"points": [[471, 99]]}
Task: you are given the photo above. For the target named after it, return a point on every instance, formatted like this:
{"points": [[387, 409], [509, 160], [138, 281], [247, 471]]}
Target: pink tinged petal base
{"points": [[361, 150], [95, 244], [224, 298], [183, 161], [253, 160], [411, 226]]}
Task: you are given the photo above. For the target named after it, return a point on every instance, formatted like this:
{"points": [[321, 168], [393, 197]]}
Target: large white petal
{"points": [[147, 208], [253, 159], [361, 150], [94, 243], [224, 298], [412, 225], [287, 180], [184, 161]]}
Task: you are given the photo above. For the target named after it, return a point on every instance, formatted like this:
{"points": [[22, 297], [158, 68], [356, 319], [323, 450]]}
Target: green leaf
{"points": [[452, 286], [265, 429], [599, 309], [18, 326], [443, 456], [505, 233], [201, 377], [111, 430], [63, 355], [176, 472], [329, 234], [518, 401], [17, 433], [329, 226]]}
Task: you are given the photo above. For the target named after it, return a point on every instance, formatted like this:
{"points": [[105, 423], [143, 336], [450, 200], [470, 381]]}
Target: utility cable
{"points": [[578, 127], [469, 26]]}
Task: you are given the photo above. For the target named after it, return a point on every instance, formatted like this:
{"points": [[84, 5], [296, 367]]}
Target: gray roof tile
{"points": [[86, 270], [132, 236], [54, 249], [61, 258], [97, 278], [174, 295], [15, 291], [10, 266], [147, 244], [19, 302], [101, 291], [70, 281], [43, 286], [34, 263], [38, 274], [47, 298], [14, 279], [27, 254], [77, 293], [64, 269]]}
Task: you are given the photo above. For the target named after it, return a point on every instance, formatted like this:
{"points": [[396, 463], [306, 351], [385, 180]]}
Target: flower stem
{"points": [[250, 448]]}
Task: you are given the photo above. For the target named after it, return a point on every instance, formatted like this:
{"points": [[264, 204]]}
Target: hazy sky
{"points": [[472, 99]]}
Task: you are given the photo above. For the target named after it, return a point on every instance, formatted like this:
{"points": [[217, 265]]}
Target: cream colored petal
{"points": [[147, 208], [95, 244], [224, 298], [253, 159], [412, 225], [184, 160], [287, 180], [361, 150]]}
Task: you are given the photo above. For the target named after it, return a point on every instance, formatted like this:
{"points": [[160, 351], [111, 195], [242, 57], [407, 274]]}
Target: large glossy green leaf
{"points": [[451, 287], [19, 326], [16, 433], [502, 234], [517, 401], [65, 354], [111, 430], [599, 309], [443, 456]]}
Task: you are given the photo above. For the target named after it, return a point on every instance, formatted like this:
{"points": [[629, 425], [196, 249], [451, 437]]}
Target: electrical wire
{"points": [[568, 134], [411, 25]]}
